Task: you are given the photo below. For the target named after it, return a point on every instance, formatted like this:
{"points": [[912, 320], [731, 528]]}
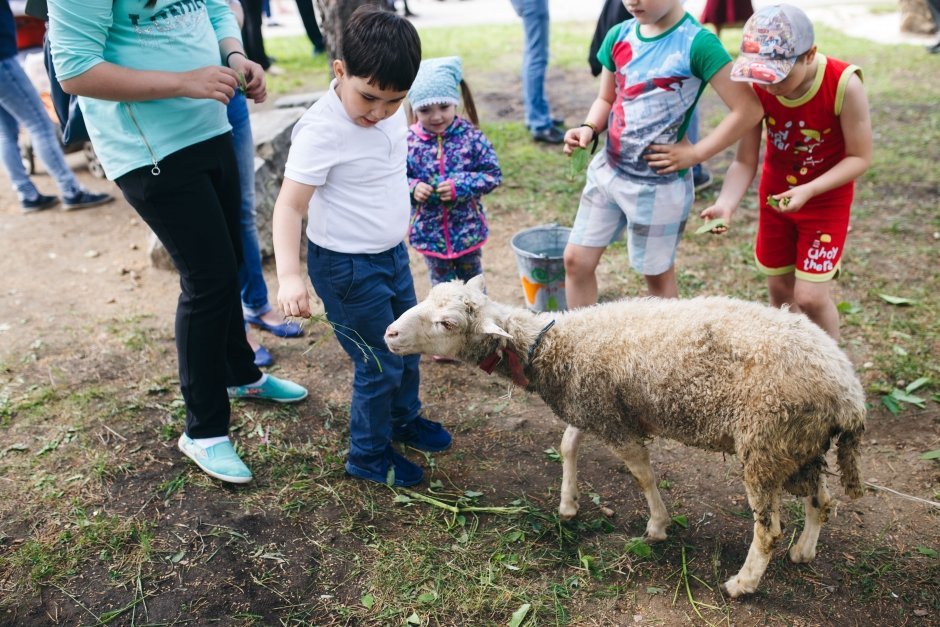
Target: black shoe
{"points": [[84, 200], [702, 180], [934, 49], [550, 135], [39, 203]]}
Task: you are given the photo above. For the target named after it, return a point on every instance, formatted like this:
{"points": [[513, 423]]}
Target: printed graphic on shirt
{"points": [[804, 143], [180, 20], [657, 82]]}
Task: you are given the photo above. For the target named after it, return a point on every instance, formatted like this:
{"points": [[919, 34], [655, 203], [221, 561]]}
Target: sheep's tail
{"points": [[848, 453]]}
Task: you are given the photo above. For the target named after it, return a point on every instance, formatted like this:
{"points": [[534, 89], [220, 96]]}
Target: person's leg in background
{"points": [[252, 37], [934, 6], [535, 24], [309, 18], [701, 177], [254, 291], [20, 105]]}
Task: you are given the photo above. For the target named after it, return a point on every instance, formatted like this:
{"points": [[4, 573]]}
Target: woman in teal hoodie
{"points": [[153, 78]]}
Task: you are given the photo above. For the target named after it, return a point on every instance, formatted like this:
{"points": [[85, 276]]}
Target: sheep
{"points": [[712, 372]]}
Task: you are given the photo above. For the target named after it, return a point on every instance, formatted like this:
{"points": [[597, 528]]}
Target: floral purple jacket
{"points": [[463, 156]]}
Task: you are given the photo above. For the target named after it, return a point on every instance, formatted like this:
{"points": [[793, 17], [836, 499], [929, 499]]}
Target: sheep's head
{"points": [[445, 322]]}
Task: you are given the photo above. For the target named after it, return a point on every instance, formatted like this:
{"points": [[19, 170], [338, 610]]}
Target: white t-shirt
{"points": [[362, 203]]}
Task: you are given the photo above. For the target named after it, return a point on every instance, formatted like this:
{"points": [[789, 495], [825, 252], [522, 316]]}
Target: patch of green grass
{"points": [[60, 550], [34, 403]]}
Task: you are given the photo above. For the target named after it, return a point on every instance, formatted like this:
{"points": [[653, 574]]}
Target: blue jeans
{"points": [[692, 134], [250, 276], [362, 295], [534, 14], [20, 104]]}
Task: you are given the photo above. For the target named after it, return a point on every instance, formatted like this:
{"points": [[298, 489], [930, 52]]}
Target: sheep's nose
{"points": [[390, 332]]}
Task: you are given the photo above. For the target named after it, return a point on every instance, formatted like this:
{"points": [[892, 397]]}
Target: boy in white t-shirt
{"points": [[347, 171]]}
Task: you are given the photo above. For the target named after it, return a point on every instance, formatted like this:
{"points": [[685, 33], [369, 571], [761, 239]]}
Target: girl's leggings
{"points": [[464, 267]]}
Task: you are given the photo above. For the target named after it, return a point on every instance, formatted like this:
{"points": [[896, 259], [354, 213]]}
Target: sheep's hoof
{"points": [[567, 512], [655, 532], [799, 556], [733, 588]]}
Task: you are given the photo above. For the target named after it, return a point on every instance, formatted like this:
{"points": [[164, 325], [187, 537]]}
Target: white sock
{"points": [[210, 442], [259, 382]]}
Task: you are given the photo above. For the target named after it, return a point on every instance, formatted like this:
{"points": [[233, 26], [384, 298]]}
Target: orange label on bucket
{"points": [[531, 289]]}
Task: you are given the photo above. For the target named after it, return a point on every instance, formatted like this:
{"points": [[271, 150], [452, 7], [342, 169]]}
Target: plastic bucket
{"points": [[540, 258]]}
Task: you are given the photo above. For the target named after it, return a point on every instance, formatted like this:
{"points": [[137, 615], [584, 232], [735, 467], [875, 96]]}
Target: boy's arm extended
{"points": [[745, 111], [855, 121], [581, 136], [737, 180], [289, 210]]}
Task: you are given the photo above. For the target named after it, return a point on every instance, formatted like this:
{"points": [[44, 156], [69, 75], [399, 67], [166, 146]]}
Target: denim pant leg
{"points": [[362, 295], [535, 24], [692, 134], [19, 99], [250, 276], [10, 157]]}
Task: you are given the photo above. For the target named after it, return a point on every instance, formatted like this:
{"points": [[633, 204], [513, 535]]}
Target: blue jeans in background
{"points": [[535, 24], [20, 105], [692, 134], [250, 276], [362, 295]]}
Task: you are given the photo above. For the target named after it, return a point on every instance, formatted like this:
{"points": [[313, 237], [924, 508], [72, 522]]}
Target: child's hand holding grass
{"points": [[579, 161], [718, 220]]}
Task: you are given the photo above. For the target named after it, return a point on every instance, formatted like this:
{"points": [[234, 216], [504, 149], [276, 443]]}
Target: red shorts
{"points": [[808, 242]]}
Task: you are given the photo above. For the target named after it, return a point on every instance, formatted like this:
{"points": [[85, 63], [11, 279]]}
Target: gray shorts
{"points": [[654, 216]]}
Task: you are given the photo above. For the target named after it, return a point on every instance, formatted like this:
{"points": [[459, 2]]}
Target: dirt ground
{"points": [[75, 282]]}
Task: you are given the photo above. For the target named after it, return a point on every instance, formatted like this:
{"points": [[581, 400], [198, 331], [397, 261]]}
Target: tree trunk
{"points": [[334, 15]]}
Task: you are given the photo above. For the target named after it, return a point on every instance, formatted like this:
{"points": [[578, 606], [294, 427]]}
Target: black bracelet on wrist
{"points": [[229, 55], [594, 136]]}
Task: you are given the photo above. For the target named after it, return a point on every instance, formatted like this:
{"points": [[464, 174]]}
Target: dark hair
{"points": [[469, 108], [381, 47]]}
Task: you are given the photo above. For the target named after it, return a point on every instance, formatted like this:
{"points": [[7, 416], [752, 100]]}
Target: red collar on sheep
{"points": [[488, 364]]}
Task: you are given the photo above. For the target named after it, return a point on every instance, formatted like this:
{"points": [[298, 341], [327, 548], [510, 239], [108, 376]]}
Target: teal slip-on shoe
{"points": [[219, 460], [273, 389]]}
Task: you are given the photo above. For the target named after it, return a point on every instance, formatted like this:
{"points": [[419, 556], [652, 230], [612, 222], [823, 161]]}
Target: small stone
{"points": [[135, 247], [91, 254], [868, 364], [606, 511]]}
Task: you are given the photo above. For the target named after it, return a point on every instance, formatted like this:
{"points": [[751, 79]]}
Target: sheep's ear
{"points": [[476, 283], [491, 328]]}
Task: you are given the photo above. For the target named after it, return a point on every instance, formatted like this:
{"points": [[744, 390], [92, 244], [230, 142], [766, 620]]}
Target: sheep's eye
{"points": [[447, 324]]}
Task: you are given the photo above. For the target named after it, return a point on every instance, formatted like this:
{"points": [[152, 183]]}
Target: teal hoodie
{"points": [[173, 35]]}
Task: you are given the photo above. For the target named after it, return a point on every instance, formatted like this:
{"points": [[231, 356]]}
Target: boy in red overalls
{"points": [[818, 142]]}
